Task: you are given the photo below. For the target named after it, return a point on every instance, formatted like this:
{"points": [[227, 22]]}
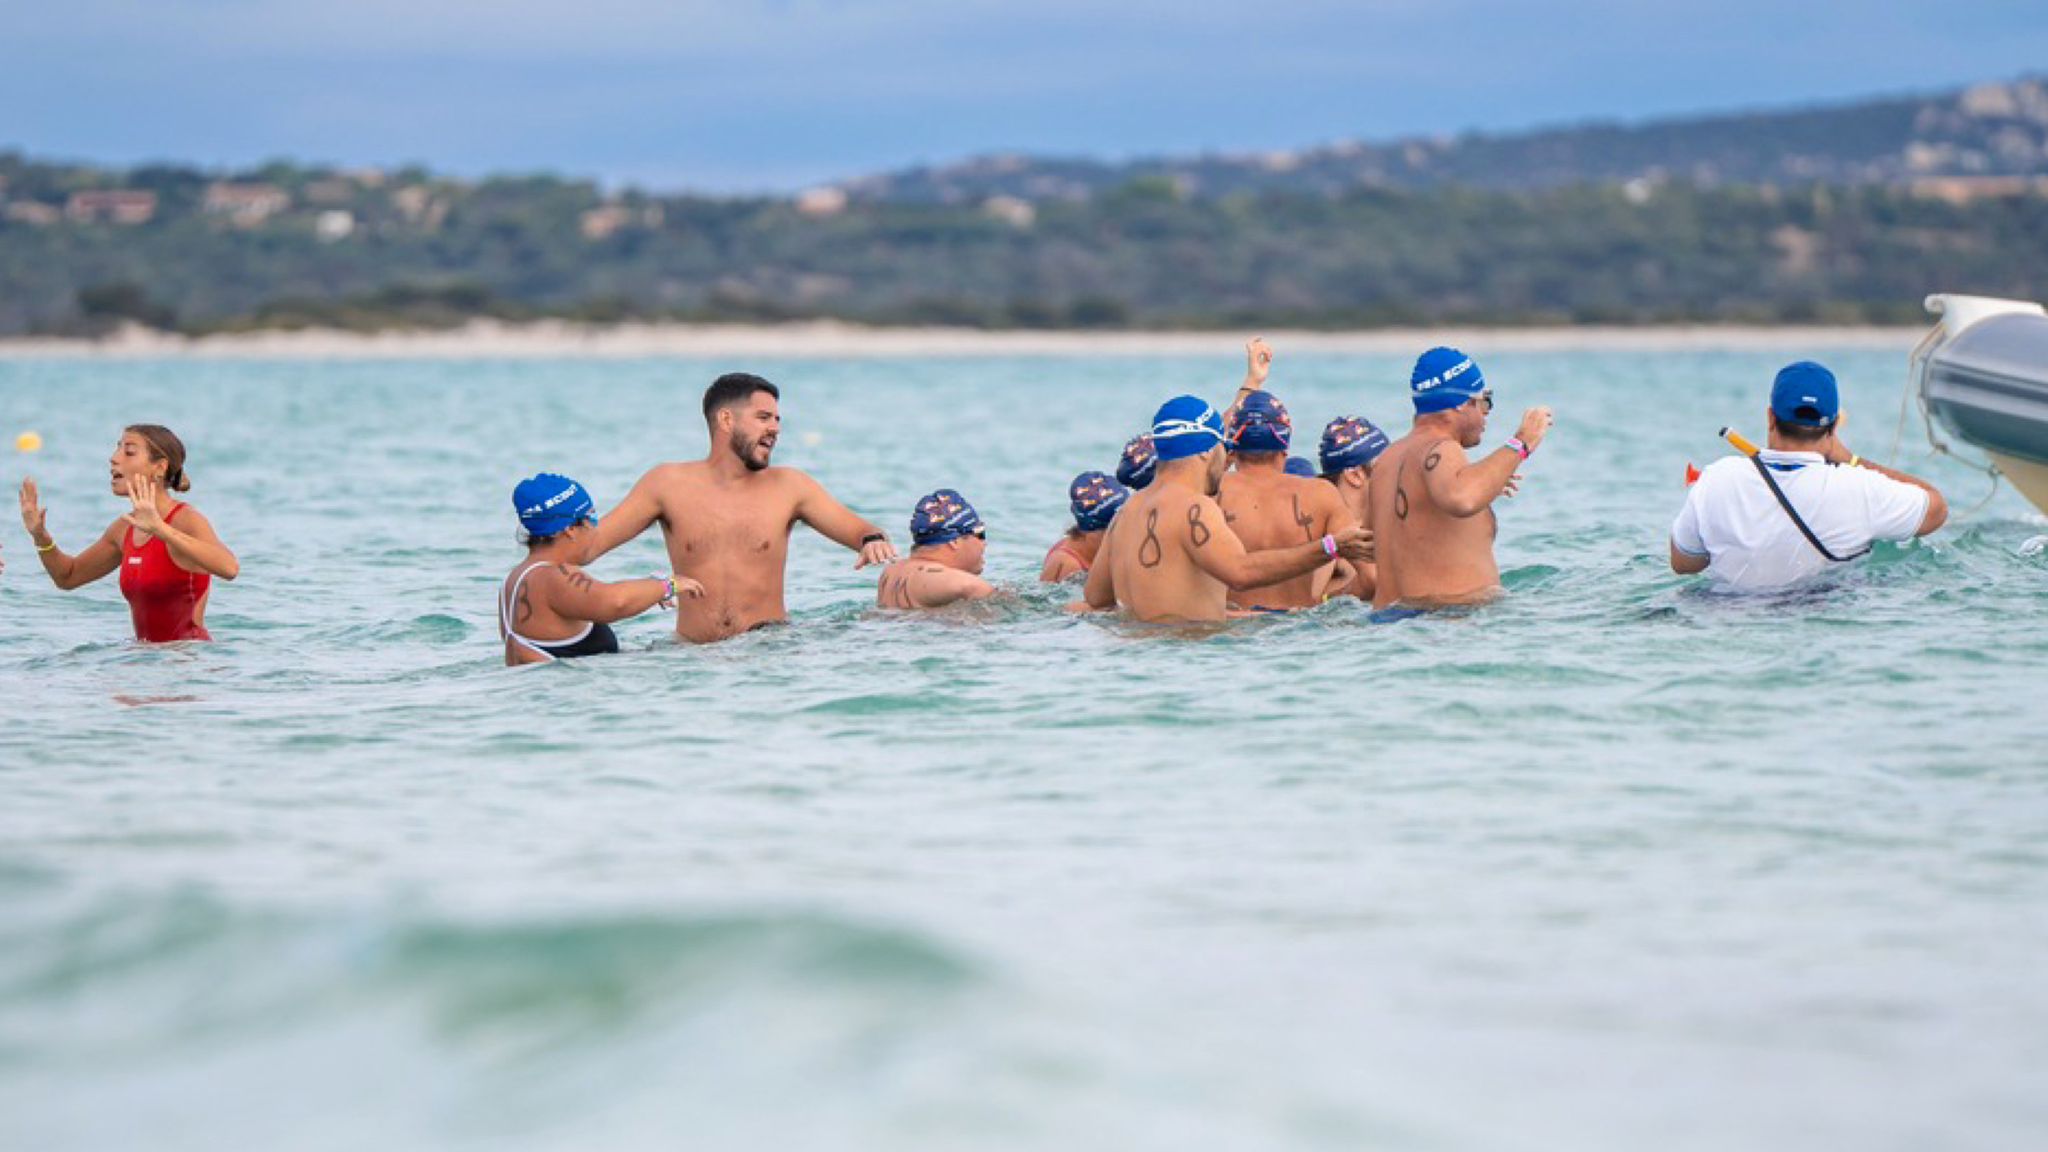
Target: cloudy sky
{"points": [[777, 94]]}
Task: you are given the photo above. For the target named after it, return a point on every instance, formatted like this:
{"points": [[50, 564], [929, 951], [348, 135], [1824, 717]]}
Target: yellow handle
{"points": [[1740, 442]]}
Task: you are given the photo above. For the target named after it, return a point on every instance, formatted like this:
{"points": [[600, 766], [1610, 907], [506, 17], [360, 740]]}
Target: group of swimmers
{"points": [[1207, 516], [1204, 519]]}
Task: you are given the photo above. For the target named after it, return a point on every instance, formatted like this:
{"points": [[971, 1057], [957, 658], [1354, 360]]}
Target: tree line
{"points": [[1143, 254]]}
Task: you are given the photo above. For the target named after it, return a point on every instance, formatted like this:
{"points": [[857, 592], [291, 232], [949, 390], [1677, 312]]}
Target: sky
{"points": [[776, 95]]}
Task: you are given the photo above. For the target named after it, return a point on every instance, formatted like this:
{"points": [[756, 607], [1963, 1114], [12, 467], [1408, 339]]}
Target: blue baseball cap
{"points": [[1185, 426], [1350, 442], [1805, 394], [1261, 424], [943, 517], [549, 505], [1296, 466], [1138, 465], [1095, 498], [1444, 378]]}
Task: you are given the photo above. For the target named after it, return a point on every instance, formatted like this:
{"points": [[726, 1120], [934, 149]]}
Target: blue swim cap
{"points": [[1350, 442], [1443, 379], [943, 517], [1296, 466], [1261, 424], [1185, 426], [1139, 463], [1805, 394], [1095, 498], [549, 505]]}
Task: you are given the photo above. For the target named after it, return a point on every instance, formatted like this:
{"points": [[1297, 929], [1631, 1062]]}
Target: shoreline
{"points": [[554, 339]]}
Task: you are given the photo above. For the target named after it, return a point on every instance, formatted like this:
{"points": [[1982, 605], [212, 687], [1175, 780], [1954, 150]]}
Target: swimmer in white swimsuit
{"points": [[549, 609]]}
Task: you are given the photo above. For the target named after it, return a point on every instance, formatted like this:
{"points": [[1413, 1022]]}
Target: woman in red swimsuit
{"points": [[167, 552]]}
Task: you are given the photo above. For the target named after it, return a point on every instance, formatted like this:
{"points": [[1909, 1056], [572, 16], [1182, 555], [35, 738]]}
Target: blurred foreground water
{"points": [[1614, 864]]}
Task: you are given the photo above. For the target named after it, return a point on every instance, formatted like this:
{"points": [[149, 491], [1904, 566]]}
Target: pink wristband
{"points": [[1330, 547], [1520, 448]]}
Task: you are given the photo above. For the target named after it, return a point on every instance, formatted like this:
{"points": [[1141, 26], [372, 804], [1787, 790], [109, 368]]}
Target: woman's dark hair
{"points": [[532, 541], [734, 388], [164, 445]]}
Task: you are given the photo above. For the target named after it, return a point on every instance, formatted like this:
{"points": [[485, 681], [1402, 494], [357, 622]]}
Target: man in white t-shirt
{"points": [[1735, 528]]}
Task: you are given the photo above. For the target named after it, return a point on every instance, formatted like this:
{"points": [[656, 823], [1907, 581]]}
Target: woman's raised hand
{"points": [[142, 491], [32, 514]]}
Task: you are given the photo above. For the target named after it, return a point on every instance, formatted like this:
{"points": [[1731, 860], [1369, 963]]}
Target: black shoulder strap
{"points": [[1764, 470]]}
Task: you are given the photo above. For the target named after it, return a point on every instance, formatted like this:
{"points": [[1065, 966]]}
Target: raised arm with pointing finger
{"points": [[1258, 364]]}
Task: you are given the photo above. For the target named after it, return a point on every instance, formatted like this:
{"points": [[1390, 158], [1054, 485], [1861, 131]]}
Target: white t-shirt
{"points": [[1731, 518]]}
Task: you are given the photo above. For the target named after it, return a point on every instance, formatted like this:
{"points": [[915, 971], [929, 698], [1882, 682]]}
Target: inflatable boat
{"points": [[1982, 375]]}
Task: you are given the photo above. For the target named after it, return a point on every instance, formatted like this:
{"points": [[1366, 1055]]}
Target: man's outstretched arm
{"points": [[841, 525], [1216, 550], [634, 515]]}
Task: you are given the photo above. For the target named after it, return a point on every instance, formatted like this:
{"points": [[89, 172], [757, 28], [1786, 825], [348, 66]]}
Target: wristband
{"points": [[1520, 449], [872, 538], [668, 583], [1330, 547], [1855, 461], [50, 547]]}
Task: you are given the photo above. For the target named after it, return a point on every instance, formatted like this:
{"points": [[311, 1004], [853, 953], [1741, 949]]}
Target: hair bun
{"points": [[178, 482]]}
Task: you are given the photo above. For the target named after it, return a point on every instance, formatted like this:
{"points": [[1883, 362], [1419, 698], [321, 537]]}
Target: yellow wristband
{"points": [[50, 547], [1855, 461]]}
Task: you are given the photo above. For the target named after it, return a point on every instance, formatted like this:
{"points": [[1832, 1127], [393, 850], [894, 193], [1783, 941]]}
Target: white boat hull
{"points": [[1983, 376]]}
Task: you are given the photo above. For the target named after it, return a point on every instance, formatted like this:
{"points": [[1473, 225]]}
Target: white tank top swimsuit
{"points": [[594, 640]]}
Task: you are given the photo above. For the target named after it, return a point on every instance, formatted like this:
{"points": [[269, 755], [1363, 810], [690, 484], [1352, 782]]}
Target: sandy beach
{"points": [[827, 339]]}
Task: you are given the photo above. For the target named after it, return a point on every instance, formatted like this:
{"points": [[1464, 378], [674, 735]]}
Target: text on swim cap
{"points": [[1446, 376]]}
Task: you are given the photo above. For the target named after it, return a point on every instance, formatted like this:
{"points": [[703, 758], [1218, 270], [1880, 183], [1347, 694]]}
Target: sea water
{"points": [[1612, 864]]}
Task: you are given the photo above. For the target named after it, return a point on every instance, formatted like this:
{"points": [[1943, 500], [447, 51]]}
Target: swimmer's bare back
{"points": [[1267, 508], [1427, 555], [1170, 557]]}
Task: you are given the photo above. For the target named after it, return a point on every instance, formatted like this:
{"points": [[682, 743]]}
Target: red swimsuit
{"points": [[1068, 548], [162, 597]]}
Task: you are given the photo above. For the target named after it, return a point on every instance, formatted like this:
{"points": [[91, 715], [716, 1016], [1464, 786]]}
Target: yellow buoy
{"points": [[28, 442]]}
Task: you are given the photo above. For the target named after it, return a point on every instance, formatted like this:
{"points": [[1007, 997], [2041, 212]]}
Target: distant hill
{"points": [[1846, 214], [1990, 130]]}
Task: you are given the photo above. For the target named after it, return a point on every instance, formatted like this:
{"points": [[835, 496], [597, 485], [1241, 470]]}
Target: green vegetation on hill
{"points": [[295, 246], [1989, 130]]}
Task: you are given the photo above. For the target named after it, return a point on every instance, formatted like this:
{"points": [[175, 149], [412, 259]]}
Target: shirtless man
{"points": [[1350, 447], [949, 545], [727, 518], [1432, 506], [1169, 556], [1268, 508]]}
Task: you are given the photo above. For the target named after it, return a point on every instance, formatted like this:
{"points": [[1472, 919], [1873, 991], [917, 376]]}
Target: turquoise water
{"points": [[1609, 865]]}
